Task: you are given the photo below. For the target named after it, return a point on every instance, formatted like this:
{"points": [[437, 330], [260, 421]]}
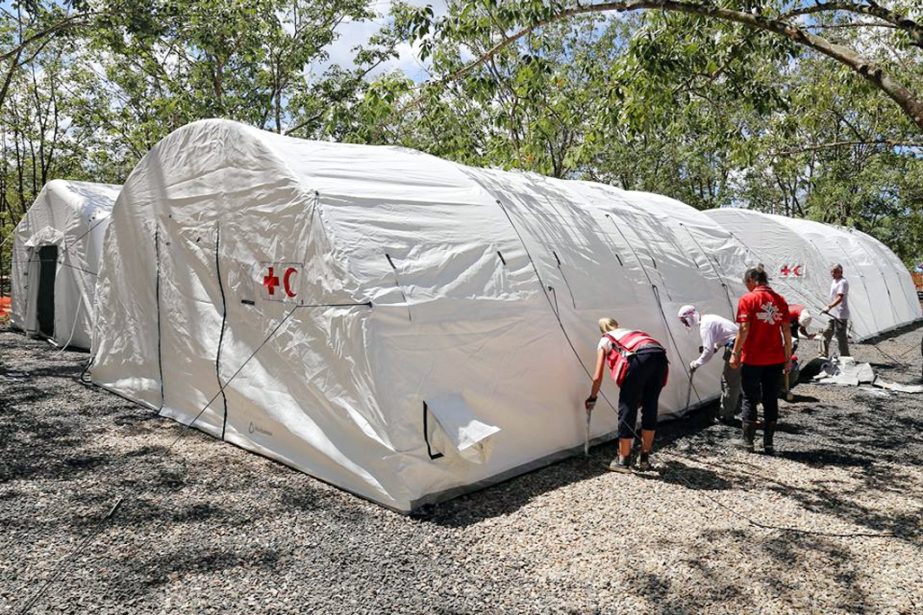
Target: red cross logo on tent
{"points": [[272, 281]]}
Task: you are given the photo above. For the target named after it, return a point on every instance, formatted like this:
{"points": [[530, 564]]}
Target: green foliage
{"points": [[710, 112]]}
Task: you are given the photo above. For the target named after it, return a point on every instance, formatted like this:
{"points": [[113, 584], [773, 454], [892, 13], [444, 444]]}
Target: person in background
{"points": [[838, 310], [718, 334], [800, 319], [638, 364], [762, 351]]}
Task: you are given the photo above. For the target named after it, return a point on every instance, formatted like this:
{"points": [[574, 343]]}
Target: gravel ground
{"points": [[212, 528]]}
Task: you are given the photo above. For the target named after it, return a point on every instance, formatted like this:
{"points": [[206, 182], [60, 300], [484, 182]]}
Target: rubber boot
{"points": [[769, 431], [748, 430]]}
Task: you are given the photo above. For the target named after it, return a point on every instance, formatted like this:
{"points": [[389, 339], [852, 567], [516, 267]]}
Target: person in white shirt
{"points": [[838, 310], [717, 334]]}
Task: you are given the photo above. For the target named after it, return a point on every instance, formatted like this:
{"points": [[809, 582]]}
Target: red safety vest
{"points": [[624, 349]]}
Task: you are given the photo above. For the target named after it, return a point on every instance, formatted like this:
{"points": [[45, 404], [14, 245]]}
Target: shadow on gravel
{"points": [[678, 473]]}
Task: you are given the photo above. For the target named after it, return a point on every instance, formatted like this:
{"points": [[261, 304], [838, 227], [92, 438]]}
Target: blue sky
{"points": [[358, 32]]}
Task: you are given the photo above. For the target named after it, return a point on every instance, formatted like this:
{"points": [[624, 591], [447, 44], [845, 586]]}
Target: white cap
{"points": [[688, 315], [805, 318]]}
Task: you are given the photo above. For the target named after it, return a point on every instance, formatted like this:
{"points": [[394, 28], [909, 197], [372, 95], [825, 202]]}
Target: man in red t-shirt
{"points": [[762, 350]]}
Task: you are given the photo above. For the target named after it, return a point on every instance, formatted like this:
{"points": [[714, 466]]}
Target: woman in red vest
{"points": [[763, 351], [638, 364]]}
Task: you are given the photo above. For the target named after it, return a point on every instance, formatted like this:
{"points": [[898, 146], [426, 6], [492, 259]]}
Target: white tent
{"points": [[395, 324], [799, 254], [56, 253]]}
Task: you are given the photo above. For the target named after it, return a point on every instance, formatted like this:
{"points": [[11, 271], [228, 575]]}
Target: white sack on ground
{"points": [[335, 289], [56, 253], [798, 254]]}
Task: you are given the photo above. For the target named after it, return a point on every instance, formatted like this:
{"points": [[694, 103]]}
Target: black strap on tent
{"points": [[397, 282], [224, 319], [656, 292], [564, 277], [429, 449], [714, 265], [557, 311], [157, 300]]}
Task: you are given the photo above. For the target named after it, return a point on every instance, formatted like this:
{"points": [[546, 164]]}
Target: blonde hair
{"points": [[608, 324]]}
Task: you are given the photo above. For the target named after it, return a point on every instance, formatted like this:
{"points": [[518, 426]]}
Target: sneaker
{"points": [[644, 462], [620, 464]]}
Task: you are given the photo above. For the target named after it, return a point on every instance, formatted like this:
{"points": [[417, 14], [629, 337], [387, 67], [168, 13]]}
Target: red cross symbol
{"points": [[270, 282]]}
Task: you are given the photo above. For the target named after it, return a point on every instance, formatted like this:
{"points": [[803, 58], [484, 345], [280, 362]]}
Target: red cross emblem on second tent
{"points": [[271, 281]]}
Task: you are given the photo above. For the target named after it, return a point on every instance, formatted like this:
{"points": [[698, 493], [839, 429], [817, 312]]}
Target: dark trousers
{"points": [[642, 385], [760, 381]]}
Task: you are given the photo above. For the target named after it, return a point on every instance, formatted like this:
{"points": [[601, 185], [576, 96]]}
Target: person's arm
{"points": [[708, 350], [597, 379], [742, 334], [804, 333], [787, 336]]}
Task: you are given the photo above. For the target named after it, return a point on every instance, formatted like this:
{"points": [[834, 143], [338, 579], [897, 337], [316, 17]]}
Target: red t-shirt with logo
{"points": [[767, 312]]}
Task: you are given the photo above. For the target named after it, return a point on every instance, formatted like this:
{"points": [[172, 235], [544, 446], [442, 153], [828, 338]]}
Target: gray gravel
{"points": [[212, 528]]}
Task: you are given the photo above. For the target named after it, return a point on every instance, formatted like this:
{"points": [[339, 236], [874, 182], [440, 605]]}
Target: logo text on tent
{"points": [[280, 281], [792, 270]]}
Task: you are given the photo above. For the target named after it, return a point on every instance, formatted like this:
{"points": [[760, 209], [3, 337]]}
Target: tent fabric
{"points": [[71, 216], [799, 254], [395, 324]]}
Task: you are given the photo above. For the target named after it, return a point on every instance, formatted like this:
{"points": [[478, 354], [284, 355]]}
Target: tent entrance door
{"points": [[44, 313]]}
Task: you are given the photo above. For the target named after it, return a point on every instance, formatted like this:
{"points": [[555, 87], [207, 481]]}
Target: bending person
{"points": [[638, 364], [717, 333], [763, 351]]}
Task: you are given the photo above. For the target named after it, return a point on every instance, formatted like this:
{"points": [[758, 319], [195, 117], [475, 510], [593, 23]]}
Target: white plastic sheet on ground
{"points": [[798, 254], [71, 216], [845, 371], [335, 289]]}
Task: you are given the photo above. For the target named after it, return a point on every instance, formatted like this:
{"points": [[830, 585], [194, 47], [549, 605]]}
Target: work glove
{"points": [[692, 367], [589, 404]]}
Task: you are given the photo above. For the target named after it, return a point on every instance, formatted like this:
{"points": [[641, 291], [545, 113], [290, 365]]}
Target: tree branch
{"points": [[905, 99], [835, 144], [874, 10]]}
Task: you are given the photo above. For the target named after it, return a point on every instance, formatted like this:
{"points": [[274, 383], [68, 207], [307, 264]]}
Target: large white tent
{"points": [[56, 250], [799, 254], [395, 324]]}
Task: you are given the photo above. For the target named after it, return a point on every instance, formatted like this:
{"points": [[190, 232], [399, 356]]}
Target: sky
{"points": [[355, 33]]}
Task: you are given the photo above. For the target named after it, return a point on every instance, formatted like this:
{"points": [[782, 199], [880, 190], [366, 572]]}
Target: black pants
{"points": [[641, 387], [760, 381]]}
